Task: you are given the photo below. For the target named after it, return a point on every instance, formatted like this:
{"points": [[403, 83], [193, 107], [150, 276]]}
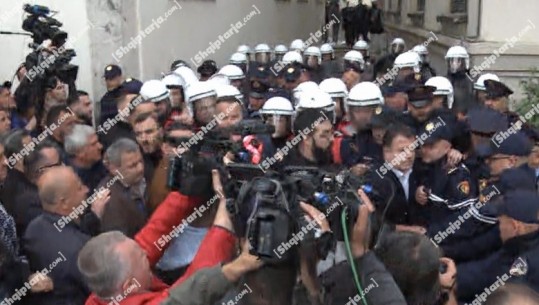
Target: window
{"points": [[421, 5], [459, 6]]}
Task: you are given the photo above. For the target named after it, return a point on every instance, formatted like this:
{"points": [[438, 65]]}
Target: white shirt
{"points": [[404, 179]]}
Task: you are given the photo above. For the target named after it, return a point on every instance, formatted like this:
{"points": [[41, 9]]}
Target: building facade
{"points": [[501, 36]]}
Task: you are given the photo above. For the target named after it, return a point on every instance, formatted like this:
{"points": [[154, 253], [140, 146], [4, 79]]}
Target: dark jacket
{"points": [[119, 130], [57, 252], [91, 176], [361, 148], [108, 104], [378, 285], [123, 212]]}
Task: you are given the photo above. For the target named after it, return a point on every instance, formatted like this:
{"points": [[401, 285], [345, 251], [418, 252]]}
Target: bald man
{"points": [[55, 237], [513, 294]]}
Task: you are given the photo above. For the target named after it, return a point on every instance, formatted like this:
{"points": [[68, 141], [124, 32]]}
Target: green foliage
{"points": [[531, 93]]}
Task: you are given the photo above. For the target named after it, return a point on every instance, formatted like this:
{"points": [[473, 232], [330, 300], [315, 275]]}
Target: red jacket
{"points": [[217, 246]]}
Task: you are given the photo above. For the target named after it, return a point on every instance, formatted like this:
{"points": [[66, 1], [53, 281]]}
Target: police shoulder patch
{"points": [[464, 187], [429, 126], [519, 267], [378, 110]]}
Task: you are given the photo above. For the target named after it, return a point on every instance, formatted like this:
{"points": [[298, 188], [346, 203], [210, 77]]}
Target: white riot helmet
{"points": [[423, 53], [244, 49], [364, 94], [326, 48], [302, 88], [277, 107], [335, 87], [312, 51], [228, 92], [354, 58], [154, 91], [173, 81], [316, 99], [189, 77], [292, 56], [443, 87], [219, 79], [297, 45], [233, 72], [199, 91], [238, 59], [262, 53], [457, 59], [408, 60], [398, 46], [280, 49], [363, 47], [480, 83]]}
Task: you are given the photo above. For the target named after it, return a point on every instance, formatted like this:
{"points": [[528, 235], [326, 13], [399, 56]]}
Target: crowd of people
{"points": [[88, 215]]}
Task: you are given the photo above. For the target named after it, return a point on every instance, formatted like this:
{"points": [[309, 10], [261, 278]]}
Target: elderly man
{"points": [[126, 211], [84, 151], [55, 237], [118, 268]]}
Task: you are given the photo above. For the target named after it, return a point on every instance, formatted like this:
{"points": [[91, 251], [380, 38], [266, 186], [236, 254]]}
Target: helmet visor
{"points": [[456, 65], [280, 122], [397, 48], [262, 58]]}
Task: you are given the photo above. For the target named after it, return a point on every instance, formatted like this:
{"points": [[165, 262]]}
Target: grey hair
{"points": [[78, 138], [103, 269], [117, 149]]}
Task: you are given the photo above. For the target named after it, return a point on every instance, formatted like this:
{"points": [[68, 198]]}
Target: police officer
{"points": [[361, 104], [517, 260], [480, 91], [338, 92], [420, 105], [201, 101], [363, 47], [458, 65], [240, 60], [257, 97], [113, 79], [313, 60], [333, 12], [277, 112], [280, 50], [426, 70], [263, 54], [330, 65], [397, 47], [446, 190], [408, 65]]}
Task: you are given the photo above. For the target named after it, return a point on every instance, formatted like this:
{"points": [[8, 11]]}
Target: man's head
{"points": [[6, 100], [503, 153], [126, 105], [44, 157], [112, 263], [278, 112], [175, 134], [14, 144], [113, 77], [351, 77], [497, 95], [398, 147], [414, 262], [363, 99], [82, 106], [201, 102], [512, 294], [61, 190], [83, 145], [436, 135], [5, 120], [484, 123], [420, 103], [148, 132], [395, 98], [55, 92], [124, 156], [61, 121], [257, 95], [517, 212], [316, 144], [229, 111], [155, 91]]}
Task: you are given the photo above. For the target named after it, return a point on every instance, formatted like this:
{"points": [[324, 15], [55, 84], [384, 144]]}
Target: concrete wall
{"points": [[502, 19], [102, 27]]}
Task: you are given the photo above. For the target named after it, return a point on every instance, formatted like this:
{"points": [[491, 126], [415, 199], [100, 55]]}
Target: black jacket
{"points": [[57, 252]]}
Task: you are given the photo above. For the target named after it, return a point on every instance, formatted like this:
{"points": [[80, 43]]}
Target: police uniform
{"points": [[451, 189], [419, 96], [517, 260], [258, 89], [108, 101]]}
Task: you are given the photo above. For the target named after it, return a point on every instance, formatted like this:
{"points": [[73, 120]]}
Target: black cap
{"points": [[393, 89], [521, 205], [112, 71], [259, 89], [496, 89], [437, 129], [420, 96], [207, 68], [292, 72], [515, 144], [487, 121], [178, 63], [131, 86], [516, 179], [384, 116]]}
